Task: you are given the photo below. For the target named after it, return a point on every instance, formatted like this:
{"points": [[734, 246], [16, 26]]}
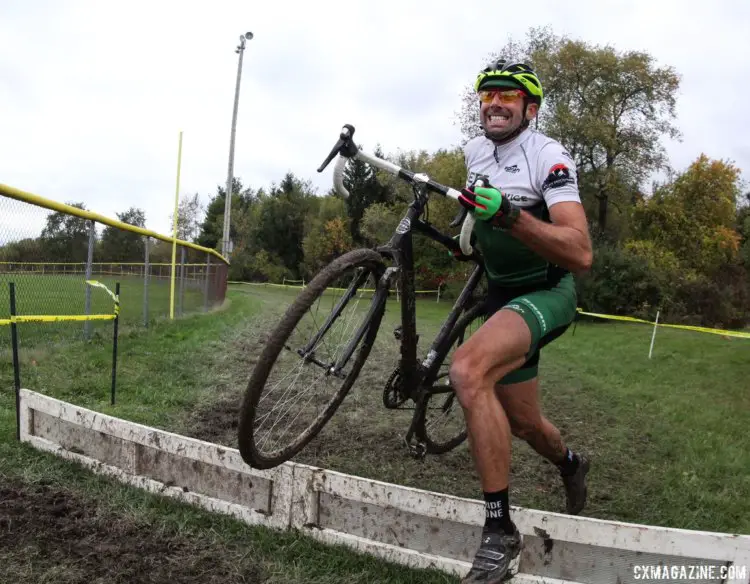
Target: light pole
{"points": [[228, 198]]}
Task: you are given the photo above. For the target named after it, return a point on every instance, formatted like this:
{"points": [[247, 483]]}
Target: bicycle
{"points": [[415, 380]]}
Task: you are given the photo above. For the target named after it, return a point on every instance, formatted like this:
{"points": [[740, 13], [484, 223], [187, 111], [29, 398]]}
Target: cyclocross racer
{"points": [[533, 234]]}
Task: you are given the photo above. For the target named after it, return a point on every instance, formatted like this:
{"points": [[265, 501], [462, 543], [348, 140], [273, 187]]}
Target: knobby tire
{"points": [[364, 258]]}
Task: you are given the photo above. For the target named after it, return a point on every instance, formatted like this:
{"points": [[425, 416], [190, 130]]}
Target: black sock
{"points": [[569, 465], [497, 511]]}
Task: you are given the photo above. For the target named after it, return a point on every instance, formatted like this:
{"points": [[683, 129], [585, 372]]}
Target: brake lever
{"points": [[344, 146], [459, 218]]}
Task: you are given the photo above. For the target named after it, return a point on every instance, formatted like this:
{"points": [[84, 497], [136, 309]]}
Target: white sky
{"points": [[93, 97]]}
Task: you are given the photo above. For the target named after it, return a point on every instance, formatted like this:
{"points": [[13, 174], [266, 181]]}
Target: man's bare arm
{"points": [[565, 241]]}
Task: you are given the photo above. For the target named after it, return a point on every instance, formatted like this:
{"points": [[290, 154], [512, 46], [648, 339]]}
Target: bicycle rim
{"points": [[441, 425], [294, 389]]}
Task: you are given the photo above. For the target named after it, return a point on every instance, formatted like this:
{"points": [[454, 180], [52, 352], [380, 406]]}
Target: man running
{"points": [[532, 231]]}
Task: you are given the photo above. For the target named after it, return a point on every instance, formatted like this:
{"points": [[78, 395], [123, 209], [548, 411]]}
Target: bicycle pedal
{"points": [[417, 450]]}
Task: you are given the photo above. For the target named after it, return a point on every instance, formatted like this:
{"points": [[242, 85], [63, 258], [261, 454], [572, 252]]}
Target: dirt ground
{"points": [[365, 439], [49, 534]]}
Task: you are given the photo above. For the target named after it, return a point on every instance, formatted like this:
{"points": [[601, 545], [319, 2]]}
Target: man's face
{"points": [[501, 111]]}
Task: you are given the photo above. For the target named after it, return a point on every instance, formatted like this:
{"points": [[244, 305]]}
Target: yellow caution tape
{"points": [[67, 317], [700, 329], [54, 318], [112, 294], [337, 289]]}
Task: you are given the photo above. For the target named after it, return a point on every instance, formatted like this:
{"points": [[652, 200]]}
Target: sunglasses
{"points": [[505, 95]]}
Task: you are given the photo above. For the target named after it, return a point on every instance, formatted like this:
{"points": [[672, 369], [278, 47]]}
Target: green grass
{"points": [[55, 295], [165, 373], [60, 294], [668, 436]]}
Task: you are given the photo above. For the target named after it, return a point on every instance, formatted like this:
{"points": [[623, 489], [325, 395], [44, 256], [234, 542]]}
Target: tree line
{"points": [[65, 239], [680, 245], [683, 248]]}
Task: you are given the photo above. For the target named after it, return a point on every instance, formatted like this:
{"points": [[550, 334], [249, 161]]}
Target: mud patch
{"points": [[217, 423], [49, 534]]}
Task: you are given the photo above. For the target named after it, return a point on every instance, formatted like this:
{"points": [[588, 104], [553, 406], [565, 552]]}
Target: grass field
{"points": [[667, 436], [59, 294], [65, 295]]}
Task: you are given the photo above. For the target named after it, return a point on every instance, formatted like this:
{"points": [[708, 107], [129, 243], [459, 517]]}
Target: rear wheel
{"points": [[442, 427], [302, 375]]}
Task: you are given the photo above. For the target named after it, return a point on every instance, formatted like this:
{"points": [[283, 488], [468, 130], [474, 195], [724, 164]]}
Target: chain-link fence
{"points": [[49, 251]]}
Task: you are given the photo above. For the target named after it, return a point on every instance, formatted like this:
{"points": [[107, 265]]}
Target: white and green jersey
{"points": [[534, 172]]}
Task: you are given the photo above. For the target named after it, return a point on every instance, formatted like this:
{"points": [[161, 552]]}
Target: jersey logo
{"points": [[512, 169], [559, 176], [475, 176]]}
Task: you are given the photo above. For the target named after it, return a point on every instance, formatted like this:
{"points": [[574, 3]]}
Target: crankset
{"points": [[393, 394]]}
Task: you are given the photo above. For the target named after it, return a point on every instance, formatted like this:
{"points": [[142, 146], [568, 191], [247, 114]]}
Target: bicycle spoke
{"points": [[301, 386]]}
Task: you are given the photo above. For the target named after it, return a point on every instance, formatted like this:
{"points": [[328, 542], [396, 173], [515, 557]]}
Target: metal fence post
{"points": [[114, 342], [89, 262], [16, 361], [145, 283], [205, 282], [181, 291]]}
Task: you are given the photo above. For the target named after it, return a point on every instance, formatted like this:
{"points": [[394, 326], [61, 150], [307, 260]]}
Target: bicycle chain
{"points": [[392, 395]]}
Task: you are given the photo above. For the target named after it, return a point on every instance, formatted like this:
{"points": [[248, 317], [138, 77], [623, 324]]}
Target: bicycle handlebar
{"points": [[346, 149]]}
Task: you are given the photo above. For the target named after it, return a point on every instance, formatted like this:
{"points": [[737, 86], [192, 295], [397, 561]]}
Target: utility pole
{"points": [[225, 251]]}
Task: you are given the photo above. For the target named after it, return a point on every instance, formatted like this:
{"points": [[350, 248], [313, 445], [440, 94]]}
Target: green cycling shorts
{"points": [[547, 309]]}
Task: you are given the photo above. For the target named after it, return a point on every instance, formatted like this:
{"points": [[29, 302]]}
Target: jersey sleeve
{"points": [[468, 160], [556, 175]]}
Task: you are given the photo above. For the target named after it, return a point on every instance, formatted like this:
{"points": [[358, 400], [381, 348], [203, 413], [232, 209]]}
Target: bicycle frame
{"points": [[415, 375], [400, 250]]}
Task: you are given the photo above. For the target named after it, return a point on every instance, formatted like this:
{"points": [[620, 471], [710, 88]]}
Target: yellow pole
{"points": [[174, 229]]}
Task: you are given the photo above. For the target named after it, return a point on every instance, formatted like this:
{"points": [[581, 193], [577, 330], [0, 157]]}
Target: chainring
{"points": [[393, 397]]}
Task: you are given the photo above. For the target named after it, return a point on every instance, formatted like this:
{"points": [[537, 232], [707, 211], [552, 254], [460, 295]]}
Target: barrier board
{"points": [[405, 525]]}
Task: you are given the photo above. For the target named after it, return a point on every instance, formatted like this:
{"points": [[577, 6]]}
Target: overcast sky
{"points": [[93, 94]]}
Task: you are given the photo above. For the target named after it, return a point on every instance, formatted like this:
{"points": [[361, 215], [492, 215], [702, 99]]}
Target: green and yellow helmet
{"points": [[503, 73]]}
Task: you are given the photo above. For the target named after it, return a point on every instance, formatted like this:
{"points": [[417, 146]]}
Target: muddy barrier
{"points": [[401, 524]]}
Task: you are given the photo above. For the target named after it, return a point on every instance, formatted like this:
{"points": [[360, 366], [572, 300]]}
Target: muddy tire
{"points": [[369, 262], [435, 443]]}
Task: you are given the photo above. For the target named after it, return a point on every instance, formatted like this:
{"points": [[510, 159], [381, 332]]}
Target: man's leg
{"points": [[520, 402], [497, 348]]}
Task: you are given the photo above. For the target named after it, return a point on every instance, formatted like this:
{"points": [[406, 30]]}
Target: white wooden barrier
{"points": [[401, 524]]}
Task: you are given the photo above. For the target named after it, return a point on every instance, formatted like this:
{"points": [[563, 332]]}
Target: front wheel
{"points": [[441, 425], [311, 360]]}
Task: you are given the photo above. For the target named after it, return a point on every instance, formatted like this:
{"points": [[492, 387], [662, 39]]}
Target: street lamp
{"points": [[228, 198]]}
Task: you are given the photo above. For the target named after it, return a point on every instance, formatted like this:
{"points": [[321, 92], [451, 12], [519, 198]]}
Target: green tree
{"points": [[323, 245], [212, 227], [328, 235], [25, 250], [278, 222], [118, 245], [608, 108], [189, 211], [743, 226], [694, 216], [364, 190], [65, 237]]}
